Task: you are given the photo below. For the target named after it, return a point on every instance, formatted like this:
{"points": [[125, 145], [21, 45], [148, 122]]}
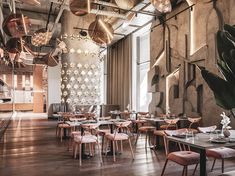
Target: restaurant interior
{"points": [[117, 87]]}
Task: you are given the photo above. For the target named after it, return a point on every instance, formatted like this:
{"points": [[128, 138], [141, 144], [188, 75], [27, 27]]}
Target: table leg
{"points": [[157, 137], [84, 155], [203, 162]]}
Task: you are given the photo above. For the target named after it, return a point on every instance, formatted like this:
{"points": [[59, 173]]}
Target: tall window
{"points": [[141, 58]]}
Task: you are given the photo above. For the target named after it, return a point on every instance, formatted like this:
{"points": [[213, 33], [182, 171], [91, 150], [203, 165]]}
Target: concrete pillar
{"points": [[80, 70]]}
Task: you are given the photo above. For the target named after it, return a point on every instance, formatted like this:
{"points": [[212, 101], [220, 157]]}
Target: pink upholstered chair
{"points": [[170, 124], [119, 136], [86, 139], [217, 153], [146, 129], [184, 158], [193, 121]]}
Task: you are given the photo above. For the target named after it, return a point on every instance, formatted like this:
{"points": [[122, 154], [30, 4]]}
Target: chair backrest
{"points": [[176, 132], [194, 120], [181, 131], [125, 115], [207, 129], [143, 115], [121, 126], [90, 127], [171, 122]]}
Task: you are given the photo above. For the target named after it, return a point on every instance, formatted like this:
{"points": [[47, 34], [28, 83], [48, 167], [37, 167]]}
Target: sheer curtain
{"points": [[119, 61]]}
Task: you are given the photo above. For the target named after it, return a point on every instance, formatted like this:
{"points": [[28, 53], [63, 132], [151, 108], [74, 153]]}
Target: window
{"points": [[141, 58]]}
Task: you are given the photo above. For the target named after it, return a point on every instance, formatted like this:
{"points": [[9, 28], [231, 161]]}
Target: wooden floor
{"points": [[30, 148]]}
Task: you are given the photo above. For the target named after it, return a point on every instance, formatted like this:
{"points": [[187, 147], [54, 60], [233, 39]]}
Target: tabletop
{"points": [[203, 141]]}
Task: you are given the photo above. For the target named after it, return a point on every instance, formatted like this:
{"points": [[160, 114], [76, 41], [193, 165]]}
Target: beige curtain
{"points": [[119, 64]]}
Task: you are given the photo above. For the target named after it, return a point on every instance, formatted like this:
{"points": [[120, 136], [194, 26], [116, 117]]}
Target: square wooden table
{"points": [[202, 142]]}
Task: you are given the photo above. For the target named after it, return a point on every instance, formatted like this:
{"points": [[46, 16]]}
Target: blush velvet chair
{"points": [[217, 153], [171, 124], [146, 129], [87, 139], [183, 158], [119, 136]]}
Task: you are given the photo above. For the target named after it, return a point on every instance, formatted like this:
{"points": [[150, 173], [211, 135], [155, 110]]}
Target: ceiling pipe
{"points": [[62, 8], [13, 6]]}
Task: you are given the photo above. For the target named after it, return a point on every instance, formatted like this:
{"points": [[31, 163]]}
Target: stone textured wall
{"points": [[187, 40]]}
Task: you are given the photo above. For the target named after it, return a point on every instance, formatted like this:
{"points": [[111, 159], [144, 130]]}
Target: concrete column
{"points": [[80, 70]]}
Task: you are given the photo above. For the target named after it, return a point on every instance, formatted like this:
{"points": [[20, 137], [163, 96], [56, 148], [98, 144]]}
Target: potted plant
{"points": [[224, 88]]}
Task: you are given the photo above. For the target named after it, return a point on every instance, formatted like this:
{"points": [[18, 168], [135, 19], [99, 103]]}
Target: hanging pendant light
{"points": [[163, 6], [41, 37], [80, 7], [31, 2], [127, 4], [16, 25], [101, 32]]}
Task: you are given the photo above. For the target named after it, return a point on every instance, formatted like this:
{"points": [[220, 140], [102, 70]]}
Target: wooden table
{"points": [[201, 142], [157, 121], [103, 122]]}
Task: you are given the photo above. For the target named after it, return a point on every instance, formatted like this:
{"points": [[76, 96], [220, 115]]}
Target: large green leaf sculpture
{"points": [[224, 88]]}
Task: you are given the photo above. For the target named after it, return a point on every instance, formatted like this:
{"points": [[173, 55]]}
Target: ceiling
{"points": [[144, 11]]}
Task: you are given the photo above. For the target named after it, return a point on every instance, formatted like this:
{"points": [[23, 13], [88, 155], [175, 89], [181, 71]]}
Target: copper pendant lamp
{"points": [[51, 60], [41, 37], [80, 7], [101, 32], [13, 45], [16, 25], [127, 4], [31, 2], [163, 6]]}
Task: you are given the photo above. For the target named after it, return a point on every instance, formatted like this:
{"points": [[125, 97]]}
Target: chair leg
{"points": [[61, 134], [114, 157], [213, 165], [137, 137], [100, 154], [80, 154], [131, 148], [146, 138], [56, 131], [222, 165], [121, 146], [75, 150], [106, 147], [186, 170], [195, 169], [102, 144], [90, 148], [164, 167], [116, 143], [183, 172]]}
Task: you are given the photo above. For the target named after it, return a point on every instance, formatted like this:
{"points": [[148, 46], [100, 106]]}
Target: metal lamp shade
{"points": [[13, 45], [31, 2], [41, 37], [80, 7], [101, 32], [126, 4], [51, 60], [163, 6], [16, 25]]}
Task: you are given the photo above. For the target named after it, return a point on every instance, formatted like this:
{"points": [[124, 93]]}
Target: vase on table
{"points": [[226, 132]]}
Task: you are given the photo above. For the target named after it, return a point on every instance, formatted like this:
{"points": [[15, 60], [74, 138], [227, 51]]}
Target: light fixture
{"points": [[31, 2], [41, 37], [126, 4], [101, 32], [80, 7], [163, 6]]}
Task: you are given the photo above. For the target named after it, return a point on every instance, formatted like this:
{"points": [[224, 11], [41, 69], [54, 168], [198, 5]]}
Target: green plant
{"points": [[224, 88]]}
